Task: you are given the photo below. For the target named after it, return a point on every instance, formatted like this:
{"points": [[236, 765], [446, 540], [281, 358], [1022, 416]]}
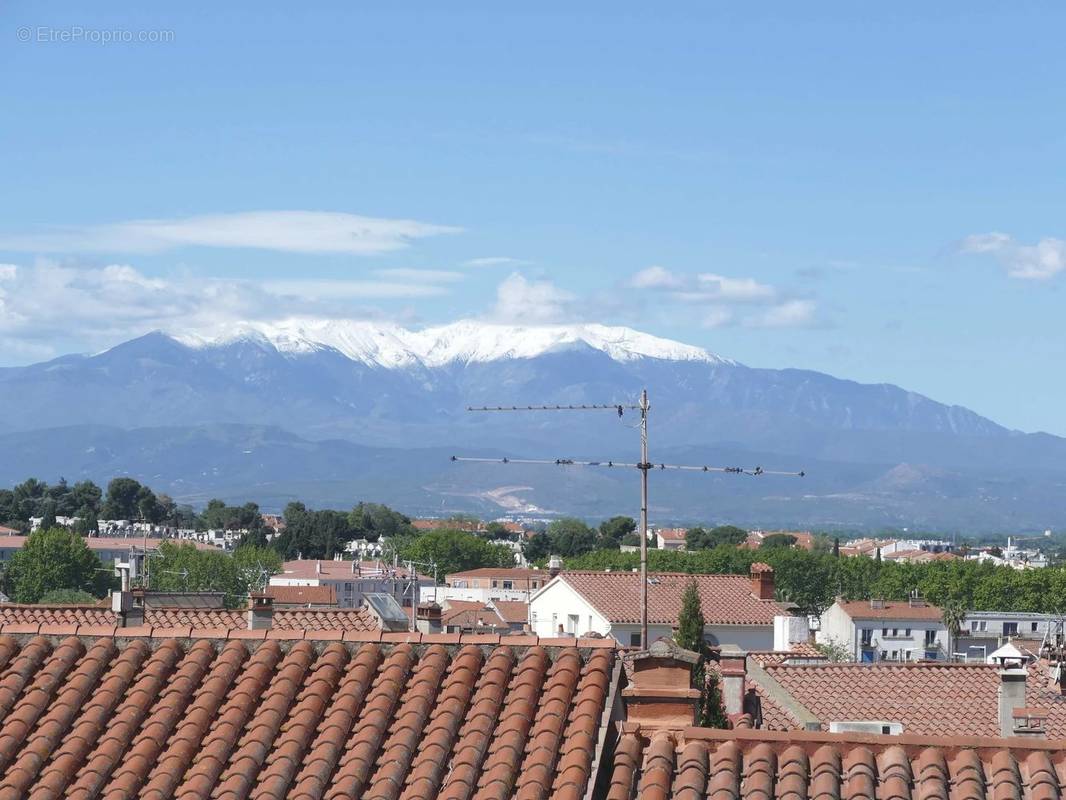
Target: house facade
{"points": [[352, 580], [884, 630], [487, 584], [737, 610]]}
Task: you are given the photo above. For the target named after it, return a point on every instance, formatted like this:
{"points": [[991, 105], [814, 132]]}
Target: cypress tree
{"points": [[690, 624]]}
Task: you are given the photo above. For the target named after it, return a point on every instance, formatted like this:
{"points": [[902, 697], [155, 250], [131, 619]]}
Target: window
{"points": [[1034, 627], [907, 633], [884, 654], [348, 588], [867, 637], [508, 584], [495, 584], [930, 638], [1010, 628], [536, 584], [634, 639], [884, 631]]}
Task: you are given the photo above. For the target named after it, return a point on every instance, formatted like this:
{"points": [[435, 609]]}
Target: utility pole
{"points": [[644, 465]]}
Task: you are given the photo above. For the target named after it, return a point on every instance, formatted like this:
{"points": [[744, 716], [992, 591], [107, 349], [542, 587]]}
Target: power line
{"points": [[644, 466]]}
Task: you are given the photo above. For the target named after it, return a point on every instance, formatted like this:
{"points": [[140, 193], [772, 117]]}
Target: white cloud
{"points": [[739, 289], [717, 317], [521, 300], [342, 289], [495, 261], [427, 275], [46, 305], [657, 278], [286, 231], [1039, 261], [789, 314]]}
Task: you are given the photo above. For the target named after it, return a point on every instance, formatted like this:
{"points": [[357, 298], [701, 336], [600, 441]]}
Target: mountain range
{"points": [[334, 412]]}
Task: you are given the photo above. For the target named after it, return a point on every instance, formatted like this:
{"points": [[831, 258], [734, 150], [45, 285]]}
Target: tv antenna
{"points": [[644, 465]]}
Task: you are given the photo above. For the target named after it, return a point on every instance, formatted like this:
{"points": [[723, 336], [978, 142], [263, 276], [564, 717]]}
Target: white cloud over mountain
{"points": [[285, 231]]}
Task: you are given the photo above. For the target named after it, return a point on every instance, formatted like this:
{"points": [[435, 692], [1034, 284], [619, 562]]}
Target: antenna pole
{"points": [[644, 465]]}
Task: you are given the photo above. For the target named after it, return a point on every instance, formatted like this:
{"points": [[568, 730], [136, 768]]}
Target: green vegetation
{"points": [[52, 560], [182, 568], [812, 579], [454, 551], [703, 539], [689, 635]]}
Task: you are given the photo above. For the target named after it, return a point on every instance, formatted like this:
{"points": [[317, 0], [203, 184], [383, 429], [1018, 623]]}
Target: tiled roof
{"points": [[672, 534], [310, 568], [75, 614], [928, 699], [725, 599], [114, 718], [891, 609], [112, 542], [6, 531], [309, 619], [303, 595], [512, 611], [470, 614], [760, 765], [503, 573]]}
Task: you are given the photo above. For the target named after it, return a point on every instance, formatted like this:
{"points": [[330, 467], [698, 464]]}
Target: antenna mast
{"points": [[643, 465]]}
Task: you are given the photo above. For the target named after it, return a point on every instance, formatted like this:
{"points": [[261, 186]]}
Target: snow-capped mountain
{"points": [[329, 385], [466, 341]]}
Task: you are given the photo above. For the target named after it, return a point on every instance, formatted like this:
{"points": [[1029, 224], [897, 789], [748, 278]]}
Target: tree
{"points": [[777, 540], [183, 568], [836, 547], [67, 597], [834, 650], [374, 521], [614, 531], [689, 635], [456, 551], [53, 559], [537, 547], [702, 539], [690, 622], [571, 537], [122, 497], [48, 514], [954, 614], [497, 531]]}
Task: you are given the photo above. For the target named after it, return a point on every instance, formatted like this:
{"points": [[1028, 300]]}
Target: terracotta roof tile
{"points": [[926, 698], [890, 609], [725, 599], [756, 765], [185, 718]]}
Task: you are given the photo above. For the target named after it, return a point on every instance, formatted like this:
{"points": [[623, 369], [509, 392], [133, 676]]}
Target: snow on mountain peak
{"points": [[465, 341]]}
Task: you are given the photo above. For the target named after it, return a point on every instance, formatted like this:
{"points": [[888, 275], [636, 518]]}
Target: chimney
{"points": [[877, 603], [660, 692], [762, 581], [430, 618], [318, 567], [555, 566], [1011, 697], [1031, 722], [733, 666], [260, 612]]}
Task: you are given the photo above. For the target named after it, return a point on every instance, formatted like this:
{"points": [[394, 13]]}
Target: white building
{"points": [[671, 538], [107, 549], [487, 584], [883, 630], [352, 579], [737, 610]]}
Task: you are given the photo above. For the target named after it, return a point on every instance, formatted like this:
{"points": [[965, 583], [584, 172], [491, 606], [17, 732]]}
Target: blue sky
{"points": [[874, 192]]}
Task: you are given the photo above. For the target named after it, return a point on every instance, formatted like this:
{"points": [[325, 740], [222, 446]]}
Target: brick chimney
{"points": [[733, 664], [762, 581], [660, 693], [260, 612]]}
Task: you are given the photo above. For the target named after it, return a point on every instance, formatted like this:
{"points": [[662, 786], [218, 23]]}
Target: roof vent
{"points": [[867, 726], [877, 603]]}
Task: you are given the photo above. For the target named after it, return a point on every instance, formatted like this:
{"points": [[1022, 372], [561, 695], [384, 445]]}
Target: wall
{"points": [[555, 604], [838, 628]]}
